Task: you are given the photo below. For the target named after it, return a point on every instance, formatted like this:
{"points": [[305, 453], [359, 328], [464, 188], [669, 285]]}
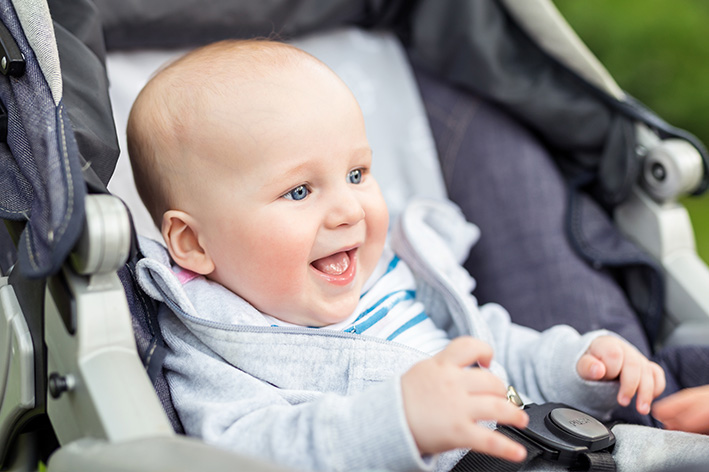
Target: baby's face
{"points": [[291, 214]]}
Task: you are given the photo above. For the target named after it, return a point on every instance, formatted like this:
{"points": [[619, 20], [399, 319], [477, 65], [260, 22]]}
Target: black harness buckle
{"points": [[562, 433], [556, 433]]}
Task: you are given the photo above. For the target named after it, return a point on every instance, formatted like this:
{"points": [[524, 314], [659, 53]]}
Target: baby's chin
{"points": [[334, 315]]}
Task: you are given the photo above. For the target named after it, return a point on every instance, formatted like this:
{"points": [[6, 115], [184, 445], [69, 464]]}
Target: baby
{"points": [[297, 332]]}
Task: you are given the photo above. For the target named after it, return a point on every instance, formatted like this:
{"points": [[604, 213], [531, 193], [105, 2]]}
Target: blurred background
{"points": [[658, 52]]}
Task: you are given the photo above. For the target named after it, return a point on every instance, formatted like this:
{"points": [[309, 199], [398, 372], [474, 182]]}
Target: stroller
{"points": [[80, 355]]}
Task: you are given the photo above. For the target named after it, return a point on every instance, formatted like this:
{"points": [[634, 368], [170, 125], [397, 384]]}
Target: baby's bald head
{"points": [[184, 108]]}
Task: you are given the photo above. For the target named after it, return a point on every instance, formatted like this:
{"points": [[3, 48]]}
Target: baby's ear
{"points": [[180, 232]]}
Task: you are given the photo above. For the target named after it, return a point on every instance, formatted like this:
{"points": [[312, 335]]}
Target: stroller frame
{"points": [[76, 367], [104, 410]]}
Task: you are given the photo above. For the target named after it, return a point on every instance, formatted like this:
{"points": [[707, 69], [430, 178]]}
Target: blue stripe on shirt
{"points": [[401, 295], [381, 300], [409, 324], [392, 265]]}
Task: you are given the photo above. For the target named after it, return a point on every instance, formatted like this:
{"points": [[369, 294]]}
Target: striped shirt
{"points": [[388, 309]]}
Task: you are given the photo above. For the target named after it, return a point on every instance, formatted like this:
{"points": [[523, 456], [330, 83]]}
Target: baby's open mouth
{"points": [[334, 264]]}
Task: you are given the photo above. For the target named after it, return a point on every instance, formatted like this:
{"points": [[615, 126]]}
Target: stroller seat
{"points": [[105, 412]]}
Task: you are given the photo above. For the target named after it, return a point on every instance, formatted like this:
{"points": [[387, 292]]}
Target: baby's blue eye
{"points": [[298, 193], [355, 176]]}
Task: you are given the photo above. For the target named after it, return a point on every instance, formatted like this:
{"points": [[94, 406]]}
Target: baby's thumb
{"points": [[590, 368]]}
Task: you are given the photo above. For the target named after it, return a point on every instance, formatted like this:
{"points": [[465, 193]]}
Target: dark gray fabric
{"points": [[593, 236], [506, 182], [132, 24], [52, 151], [688, 366], [82, 54], [149, 340], [8, 251], [475, 44], [41, 174]]}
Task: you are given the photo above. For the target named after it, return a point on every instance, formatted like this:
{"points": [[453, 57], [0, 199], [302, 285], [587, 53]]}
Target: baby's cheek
{"points": [[262, 267], [377, 216], [280, 264], [377, 224]]}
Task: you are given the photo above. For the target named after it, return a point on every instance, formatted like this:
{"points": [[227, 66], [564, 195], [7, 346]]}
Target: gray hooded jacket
{"points": [[319, 399]]}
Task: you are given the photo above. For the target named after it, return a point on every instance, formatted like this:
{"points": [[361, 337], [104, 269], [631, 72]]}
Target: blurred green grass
{"points": [[658, 52]]}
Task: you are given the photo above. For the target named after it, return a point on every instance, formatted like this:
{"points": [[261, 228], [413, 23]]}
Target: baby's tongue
{"points": [[335, 264]]}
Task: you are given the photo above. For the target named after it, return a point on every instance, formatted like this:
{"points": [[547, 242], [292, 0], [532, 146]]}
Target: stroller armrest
{"points": [[17, 394], [98, 384], [174, 453], [664, 230], [653, 218]]}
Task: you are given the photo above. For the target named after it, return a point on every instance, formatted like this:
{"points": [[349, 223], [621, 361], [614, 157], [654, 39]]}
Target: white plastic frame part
{"points": [[662, 227], [105, 241], [672, 168], [106, 393], [543, 22], [174, 454], [106, 414], [16, 362]]}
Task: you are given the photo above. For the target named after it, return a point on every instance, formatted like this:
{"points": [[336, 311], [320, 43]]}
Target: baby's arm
{"points": [[444, 398], [686, 410], [374, 429], [593, 372], [303, 429], [542, 366]]}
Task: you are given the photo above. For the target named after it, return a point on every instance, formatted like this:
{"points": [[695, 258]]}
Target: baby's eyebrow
{"points": [[366, 150], [286, 176], [291, 172]]}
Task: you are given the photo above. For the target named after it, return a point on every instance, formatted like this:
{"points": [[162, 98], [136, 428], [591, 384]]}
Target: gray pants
{"points": [[644, 449]]}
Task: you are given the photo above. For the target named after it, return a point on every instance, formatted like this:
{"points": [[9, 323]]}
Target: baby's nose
{"points": [[346, 210]]}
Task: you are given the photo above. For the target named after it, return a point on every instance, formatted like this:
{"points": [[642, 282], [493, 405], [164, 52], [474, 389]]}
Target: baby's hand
{"points": [[444, 400], [611, 358], [686, 410]]}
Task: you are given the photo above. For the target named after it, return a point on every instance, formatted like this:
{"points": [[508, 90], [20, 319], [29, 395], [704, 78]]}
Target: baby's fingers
{"points": [[630, 380], [481, 439], [492, 408], [660, 381], [465, 351], [646, 390], [611, 352], [590, 368], [496, 444], [482, 382]]}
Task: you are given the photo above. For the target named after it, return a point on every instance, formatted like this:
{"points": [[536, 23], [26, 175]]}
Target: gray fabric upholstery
{"points": [[506, 182]]}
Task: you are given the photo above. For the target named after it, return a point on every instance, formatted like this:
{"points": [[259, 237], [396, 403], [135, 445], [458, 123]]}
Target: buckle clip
{"points": [[562, 433]]}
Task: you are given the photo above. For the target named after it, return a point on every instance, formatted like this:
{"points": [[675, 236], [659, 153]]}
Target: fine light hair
{"points": [[163, 125]]}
